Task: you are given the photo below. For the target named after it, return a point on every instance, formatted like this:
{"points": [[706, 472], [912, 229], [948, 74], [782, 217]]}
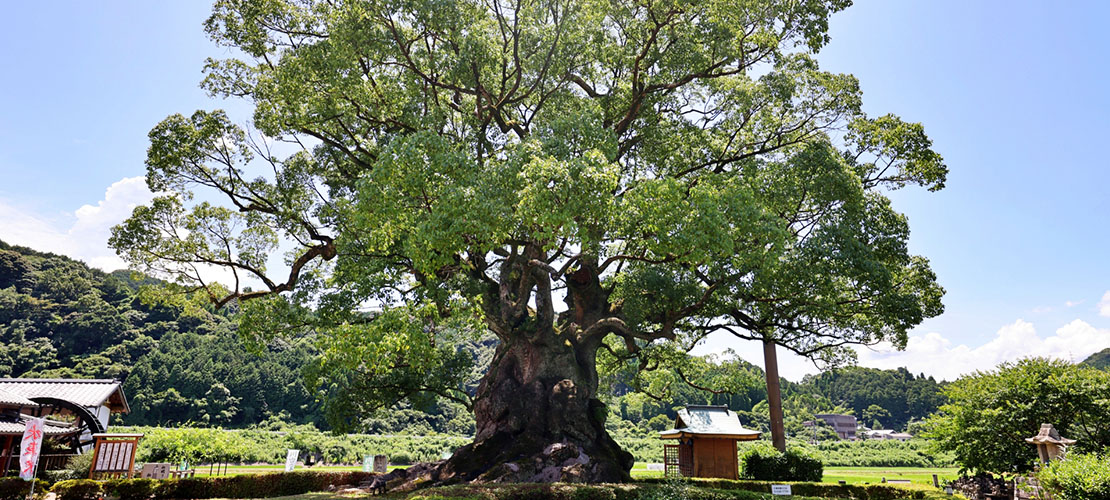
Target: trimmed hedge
{"points": [[806, 489], [130, 489], [14, 488], [764, 463], [78, 489], [671, 490], [242, 486]]}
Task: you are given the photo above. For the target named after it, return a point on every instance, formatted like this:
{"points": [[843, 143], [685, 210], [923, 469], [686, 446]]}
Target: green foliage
{"points": [[259, 445], [1100, 360], [764, 463], [180, 364], [990, 413], [686, 168], [804, 489], [14, 488], [130, 489], [879, 453], [78, 489], [899, 394], [1077, 477], [254, 485]]}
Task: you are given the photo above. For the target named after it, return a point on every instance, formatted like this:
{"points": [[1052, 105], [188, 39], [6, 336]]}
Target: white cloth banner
{"points": [[291, 460], [29, 448]]}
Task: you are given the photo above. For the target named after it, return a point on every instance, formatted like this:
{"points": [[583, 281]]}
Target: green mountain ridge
{"points": [[61, 318], [1100, 360]]}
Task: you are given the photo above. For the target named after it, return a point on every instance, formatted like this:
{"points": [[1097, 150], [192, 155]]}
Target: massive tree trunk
{"points": [[537, 410], [539, 420]]}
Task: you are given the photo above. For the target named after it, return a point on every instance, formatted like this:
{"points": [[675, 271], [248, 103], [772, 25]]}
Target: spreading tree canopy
{"points": [[576, 177], [990, 413]]}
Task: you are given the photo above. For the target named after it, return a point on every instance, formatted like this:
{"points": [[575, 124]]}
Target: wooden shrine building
{"points": [[707, 437], [74, 409]]}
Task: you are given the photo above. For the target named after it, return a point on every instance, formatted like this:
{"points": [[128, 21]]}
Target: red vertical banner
{"points": [[30, 448]]}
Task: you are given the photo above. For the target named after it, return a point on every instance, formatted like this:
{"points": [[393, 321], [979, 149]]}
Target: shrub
{"points": [[1077, 477], [78, 466], [14, 488], [78, 489], [764, 463], [130, 489], [255, 485]]}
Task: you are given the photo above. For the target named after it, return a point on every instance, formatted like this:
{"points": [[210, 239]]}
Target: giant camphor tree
{"points": [[584, 179]]}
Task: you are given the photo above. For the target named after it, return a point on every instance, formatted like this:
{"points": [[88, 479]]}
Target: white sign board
{"points": [[655, 467], [780, 489], [291, 460], [29, 448], [368, 463]]}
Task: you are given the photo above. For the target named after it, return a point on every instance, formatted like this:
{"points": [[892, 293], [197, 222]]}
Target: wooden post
{"points": [[7, 455], [131, 464], [936, 482], [96, 451], [774, 394]]}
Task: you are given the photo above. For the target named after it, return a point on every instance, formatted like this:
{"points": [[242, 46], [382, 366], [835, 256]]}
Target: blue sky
{"points": [[1012, 93]]}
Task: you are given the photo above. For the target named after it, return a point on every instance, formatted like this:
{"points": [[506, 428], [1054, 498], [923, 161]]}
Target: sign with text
{"points": [[114, 456], [291, 460], [29, 448], [780, 489], [368, 463]]}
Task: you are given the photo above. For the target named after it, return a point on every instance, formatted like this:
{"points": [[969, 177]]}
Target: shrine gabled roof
{"points": [[708, 421], [83, 392], [16, 428], [12, 399]]}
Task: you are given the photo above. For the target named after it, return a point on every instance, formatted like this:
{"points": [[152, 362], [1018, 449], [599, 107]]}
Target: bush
{"points": [[78, 489], [764, 463], [78, 466], [130, 489], [255, 485], [1077, 477], [55, 476], [14, 488]]}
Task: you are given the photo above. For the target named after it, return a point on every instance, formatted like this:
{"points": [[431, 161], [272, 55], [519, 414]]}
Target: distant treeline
{"points": [[187, 365]]}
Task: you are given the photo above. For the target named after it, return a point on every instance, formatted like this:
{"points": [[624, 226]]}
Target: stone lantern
{"points": [[1049, 443]]}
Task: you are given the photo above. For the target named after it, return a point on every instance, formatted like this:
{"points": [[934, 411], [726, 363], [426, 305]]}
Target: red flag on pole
{"points": [[30, 448]]}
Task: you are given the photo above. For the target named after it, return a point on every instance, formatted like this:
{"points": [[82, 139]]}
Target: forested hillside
{"points": [[1100, 360], [60, 318]]}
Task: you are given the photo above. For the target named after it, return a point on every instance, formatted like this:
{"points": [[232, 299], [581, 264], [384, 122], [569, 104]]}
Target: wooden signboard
{"points": [[114, 456]]}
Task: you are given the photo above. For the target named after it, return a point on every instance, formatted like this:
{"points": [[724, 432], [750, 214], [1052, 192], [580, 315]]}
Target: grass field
{"points": [[874, 475]]}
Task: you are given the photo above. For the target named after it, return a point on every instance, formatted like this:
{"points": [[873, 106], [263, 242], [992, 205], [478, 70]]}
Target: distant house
{"points": [[707, 437], [887, 434], [843, 425], [74, 409]]}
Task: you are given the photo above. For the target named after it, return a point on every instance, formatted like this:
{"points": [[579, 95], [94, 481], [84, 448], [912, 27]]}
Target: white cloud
{"points": [[1104, 305], [934, 354], [82, 235], [1073, 303]]}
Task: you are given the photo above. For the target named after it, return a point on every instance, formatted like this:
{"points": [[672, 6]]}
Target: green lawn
{"points": [[873, 475]]}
